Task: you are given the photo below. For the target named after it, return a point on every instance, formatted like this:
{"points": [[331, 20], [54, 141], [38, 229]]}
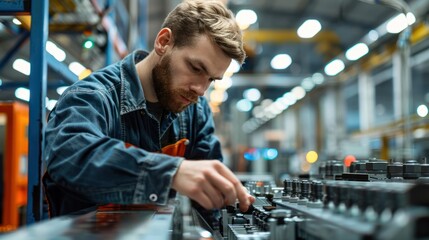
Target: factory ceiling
{"points": [[133, 24]]}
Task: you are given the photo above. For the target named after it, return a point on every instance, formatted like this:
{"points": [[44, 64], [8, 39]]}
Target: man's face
{"points": [[185, 73], [170, 98]]}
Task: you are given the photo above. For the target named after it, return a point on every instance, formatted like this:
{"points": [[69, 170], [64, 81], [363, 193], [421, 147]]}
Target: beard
{"points": [[168, 97]]}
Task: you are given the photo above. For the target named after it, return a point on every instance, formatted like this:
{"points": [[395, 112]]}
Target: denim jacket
{"points": [[102, 144]]}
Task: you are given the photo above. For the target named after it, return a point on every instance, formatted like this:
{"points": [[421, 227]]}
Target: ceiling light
{"points": [[252, 94], [16, 21], [280, 103], [281, 61], [309, 28], [223, 84], [76, 68], [23, 94], [266, 102], [257, 111], [318, 78], [55, 51], [60, 90], [307, 84], [373, 36], [245, 18], [298, 92], [217, 96], [234, 67], [51, 104], [244, 105], [288, 99], [334, 67], [422, 111], [22, 66], [276, 107], [400, 22], [357, 51]]}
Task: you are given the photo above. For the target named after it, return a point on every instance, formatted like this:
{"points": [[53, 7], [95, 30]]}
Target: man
{"points": [[131, 132]]}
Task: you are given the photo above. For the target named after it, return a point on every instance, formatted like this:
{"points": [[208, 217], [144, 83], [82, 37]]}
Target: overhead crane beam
{"points": [[283, 36]]}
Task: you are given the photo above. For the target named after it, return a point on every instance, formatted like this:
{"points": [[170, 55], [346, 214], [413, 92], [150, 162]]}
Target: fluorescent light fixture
{"points": [[422, 111], [257, 111], [76, 68], [289, 99], [281, 61], [298, 92], [245, 18], [22, 93], [307, 83], [334, 67], [234, 67], [244, 105], [60, 90], [400, 22], [50, 104], [318, 78], [357, 51], [217, 96], [309, 28], [55, 51], [280, 103], [252, 94], [16, 21], [223, 84], [373, 35], [275, 108], [22, 66]]}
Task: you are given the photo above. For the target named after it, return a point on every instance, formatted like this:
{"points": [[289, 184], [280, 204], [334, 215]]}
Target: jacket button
{"points": [[153, 197]]}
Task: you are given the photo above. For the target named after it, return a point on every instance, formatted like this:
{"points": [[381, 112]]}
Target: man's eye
{"points": [[195, 69]]}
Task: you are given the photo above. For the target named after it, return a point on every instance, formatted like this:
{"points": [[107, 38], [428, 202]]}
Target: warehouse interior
{"points": [[355, 90]]}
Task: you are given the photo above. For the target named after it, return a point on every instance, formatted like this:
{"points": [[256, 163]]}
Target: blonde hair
{"points": [[192, 18]]}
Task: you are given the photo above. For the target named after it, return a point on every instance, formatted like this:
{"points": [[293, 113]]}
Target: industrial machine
{"points": [[13, 167], [374, 199]]}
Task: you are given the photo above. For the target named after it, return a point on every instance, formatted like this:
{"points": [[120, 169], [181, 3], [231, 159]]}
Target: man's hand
{"points": [[211, 184]]}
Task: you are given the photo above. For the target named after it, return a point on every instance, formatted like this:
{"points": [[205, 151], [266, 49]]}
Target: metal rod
{"points": [[38, 81]]}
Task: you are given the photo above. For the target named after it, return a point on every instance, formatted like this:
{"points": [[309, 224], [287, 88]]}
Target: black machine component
{"points": [[373, 200]]}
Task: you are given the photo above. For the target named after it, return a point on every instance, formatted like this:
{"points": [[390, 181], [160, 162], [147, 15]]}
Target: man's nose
{"points": [[200, 87]]}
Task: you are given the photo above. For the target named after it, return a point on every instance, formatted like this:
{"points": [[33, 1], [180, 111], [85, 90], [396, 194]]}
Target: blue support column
{"points": [[38, 82]]}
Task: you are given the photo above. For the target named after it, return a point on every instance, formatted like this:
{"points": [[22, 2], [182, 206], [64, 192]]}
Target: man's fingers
{"points": [[214, 195], [203, 199], [224, 186], [240, 191]]}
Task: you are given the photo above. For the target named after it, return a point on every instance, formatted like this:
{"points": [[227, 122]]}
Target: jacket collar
{"points": [[132, 95]]}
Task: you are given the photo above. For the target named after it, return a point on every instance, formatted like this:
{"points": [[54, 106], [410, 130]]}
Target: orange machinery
{"points": [[14, 119]]}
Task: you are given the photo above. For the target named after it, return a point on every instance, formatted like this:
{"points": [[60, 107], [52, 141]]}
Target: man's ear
{"points": [[163, 40]]}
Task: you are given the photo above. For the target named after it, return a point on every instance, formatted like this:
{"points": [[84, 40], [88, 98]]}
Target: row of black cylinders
{"points": [[303, 191], [342, 196], [408, 169]]}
